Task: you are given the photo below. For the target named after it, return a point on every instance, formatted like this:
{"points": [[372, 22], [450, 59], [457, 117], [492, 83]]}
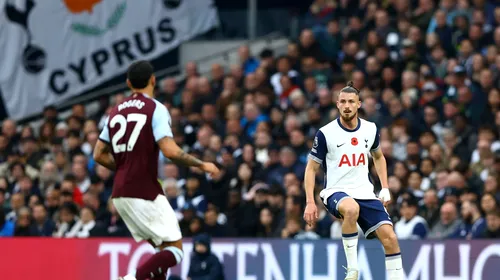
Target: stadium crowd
{"points": [[428, 72]]}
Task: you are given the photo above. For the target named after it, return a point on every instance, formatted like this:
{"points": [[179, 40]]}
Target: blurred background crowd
{"points": [[428, 72]]}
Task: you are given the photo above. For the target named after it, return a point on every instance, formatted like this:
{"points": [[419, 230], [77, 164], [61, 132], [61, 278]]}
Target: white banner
{"points": [[54, 49]]}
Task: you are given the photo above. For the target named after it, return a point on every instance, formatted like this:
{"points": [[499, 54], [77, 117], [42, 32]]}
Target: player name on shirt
{"points": [[131, 103]]}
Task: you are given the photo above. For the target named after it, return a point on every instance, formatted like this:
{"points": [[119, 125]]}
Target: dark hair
{"points": [[433, 163], [496, 212], [284, 57], [139, 74], [94, 213], [266, 53], [70, 177], [40, 204], [70, 207], [349, 60], [410, 201], [350, 88], [74, 134], [429, 132]]}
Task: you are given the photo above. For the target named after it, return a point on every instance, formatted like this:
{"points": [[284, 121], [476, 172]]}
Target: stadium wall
{"points": [[248, 259]]}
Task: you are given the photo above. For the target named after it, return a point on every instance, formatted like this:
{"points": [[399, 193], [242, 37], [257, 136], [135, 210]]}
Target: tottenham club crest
{"points": [[33, 56]]}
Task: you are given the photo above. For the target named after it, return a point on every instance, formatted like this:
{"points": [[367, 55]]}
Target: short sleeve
{"points": [[104, 136], [319, 149], [161, 122], [376, 142]]}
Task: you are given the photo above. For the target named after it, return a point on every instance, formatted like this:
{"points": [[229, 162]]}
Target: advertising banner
{"points": [[248, 259], [52, 50]]}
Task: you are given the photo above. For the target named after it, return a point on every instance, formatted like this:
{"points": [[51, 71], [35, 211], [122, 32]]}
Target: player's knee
{"points": [[178, 253], [351, 212]]}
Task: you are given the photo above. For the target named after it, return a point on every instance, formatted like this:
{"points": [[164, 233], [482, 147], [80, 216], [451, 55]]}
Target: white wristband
{"points": [[385, 194]]}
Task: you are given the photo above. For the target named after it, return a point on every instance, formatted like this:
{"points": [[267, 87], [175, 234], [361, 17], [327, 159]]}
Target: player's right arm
{"points": [[316, 158], [172, 151], [164, 138], [312, 169], [102, 150], [103, 155]]}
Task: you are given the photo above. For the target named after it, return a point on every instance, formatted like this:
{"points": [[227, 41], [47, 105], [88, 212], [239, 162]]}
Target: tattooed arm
{"points": [[171, 150], [103, 156], [183, 158]]}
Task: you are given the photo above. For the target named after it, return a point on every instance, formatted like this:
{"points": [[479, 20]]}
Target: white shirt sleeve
{"points": [[161, 122], [104, 136]]}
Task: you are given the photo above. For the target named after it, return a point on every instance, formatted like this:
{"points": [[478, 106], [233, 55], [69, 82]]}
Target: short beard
{"points": [[348, 119]]}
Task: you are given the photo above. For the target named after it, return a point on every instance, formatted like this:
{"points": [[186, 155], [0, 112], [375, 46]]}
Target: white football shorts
{"points": [[149, 220]]}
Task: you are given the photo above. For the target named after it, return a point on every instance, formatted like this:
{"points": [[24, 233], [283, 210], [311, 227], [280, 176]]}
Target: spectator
{"points": [[473, 224], [411, 226], [248, 221], [42, 225], [86, 226], [430, 208], [250, 64], [67, 219], [284, 68], [17, 201], [23, 222], [308, 234], [114, 226], [212, 226], [188, 213], [6, 227], [292, 228], [492, 229], [252, 118], [267, 223], [447, 224], [204, 264], [488, 203]]}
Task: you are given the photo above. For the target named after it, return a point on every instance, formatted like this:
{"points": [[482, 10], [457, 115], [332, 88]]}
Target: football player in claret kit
{"points": [[129, 144], [341, 148]]}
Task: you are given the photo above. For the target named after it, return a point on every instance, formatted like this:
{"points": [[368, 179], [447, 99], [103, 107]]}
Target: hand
{"points": [[311, 213], [210, 168], [385, 196]]}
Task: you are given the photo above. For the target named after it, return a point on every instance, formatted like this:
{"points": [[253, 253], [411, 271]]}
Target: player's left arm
{"points": [[102, 150], [381, 167]]}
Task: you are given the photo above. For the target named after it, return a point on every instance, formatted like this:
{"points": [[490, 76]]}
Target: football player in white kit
{"points": [[341, 148]]}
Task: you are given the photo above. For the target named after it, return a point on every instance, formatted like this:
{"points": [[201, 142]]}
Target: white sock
{"points": [[350, 241], [394, 267]]}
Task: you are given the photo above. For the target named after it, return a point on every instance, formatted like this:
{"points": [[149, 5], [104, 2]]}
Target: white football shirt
{"points": [[343, 154]]}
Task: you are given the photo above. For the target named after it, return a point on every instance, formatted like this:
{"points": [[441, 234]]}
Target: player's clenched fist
{"points": [[311, 213], [210, 168], [385, 196]]}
